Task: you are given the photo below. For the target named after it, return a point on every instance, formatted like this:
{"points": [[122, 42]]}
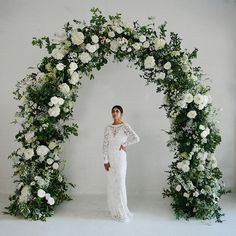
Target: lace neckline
{"points": [[117, 124]]}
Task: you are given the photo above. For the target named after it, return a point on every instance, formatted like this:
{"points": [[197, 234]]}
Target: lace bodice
{"points": [[115, 135]]}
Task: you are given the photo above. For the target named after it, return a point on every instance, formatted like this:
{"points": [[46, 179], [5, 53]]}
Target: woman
{"points": [[117, 137]]}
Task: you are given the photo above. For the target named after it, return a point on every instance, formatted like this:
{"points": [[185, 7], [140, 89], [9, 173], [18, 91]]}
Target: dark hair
{"points": [[118, 107]]}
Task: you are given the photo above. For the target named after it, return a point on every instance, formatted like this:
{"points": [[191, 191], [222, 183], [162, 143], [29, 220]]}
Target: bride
{"points": [[117, 137]]}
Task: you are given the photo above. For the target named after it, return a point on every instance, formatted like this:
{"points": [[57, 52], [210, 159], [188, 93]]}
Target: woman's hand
{"points": [[107, 166], [122, 147]]}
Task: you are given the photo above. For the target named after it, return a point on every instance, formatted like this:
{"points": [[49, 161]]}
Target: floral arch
{"points": [[47, 97]]}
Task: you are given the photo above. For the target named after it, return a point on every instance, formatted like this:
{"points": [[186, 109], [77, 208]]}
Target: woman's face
{"points": [[116, 114]]}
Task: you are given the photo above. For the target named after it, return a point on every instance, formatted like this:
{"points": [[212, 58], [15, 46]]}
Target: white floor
{"points": [[87, 215]]}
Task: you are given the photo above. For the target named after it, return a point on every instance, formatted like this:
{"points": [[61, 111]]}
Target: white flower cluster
{"points": [[25, 194], [50, 200]]}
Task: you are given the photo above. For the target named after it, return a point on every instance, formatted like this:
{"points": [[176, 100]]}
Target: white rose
{"points": [[119, 30], [142, 38], [178, 188], [188, 97], [204, 133], [195, 194], [56, 100], [29, 136], [159, 43], [91, 48], [146, 44], [42, 150], [41, 193], [77, 38], [74, 78], [191, 114], [167, 65], [28, 153], [185, 68], [64, 88], [111, 34], [73, 66], [149, 62], [60, 66], [51, 201], [50, 161], [47, 196], [55, 166], [85, 57], [95, 39], [198, 99], [54, 111]]}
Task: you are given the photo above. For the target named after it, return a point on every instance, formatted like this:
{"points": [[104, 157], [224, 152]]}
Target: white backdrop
{"points": [[207, 25]]}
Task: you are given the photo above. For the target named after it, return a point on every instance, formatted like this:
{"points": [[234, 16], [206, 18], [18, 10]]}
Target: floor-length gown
{"points": [[114, 136]]}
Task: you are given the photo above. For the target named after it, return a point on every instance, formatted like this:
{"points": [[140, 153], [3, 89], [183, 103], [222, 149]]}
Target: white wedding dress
{"points": [[114, 136]]}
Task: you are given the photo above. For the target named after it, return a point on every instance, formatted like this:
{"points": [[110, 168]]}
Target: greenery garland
{"points": [[48, 95]]}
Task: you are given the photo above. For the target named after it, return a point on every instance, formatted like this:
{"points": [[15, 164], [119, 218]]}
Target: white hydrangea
{"points": [[64, 88], [77, 38], [159, 43], [42, 150], [85, 57], [149, 62], [25, 194], [161, 75]]}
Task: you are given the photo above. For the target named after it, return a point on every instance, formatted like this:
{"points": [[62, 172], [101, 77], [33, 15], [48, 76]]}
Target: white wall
{"points": [[207, 25]]}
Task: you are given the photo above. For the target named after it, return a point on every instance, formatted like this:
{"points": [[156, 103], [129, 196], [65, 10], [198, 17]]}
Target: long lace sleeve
{"points": [[132, 136], [105, 146]]}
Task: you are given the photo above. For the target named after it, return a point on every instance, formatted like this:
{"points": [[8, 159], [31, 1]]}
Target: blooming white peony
{"points": [[95, 38], [42, 150], [58, 53], [28, 153], [167, 65], [77, 38], [149, 62], [85, 57], [64, 88], [142, 38], [60, 66], [54, 111], [159, 43], [192, 114], [41, 193]]}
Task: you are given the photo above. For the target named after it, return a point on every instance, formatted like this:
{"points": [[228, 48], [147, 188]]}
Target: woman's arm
{"points": [[132, 136], [105, 145]]}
